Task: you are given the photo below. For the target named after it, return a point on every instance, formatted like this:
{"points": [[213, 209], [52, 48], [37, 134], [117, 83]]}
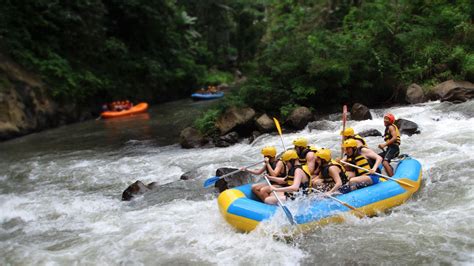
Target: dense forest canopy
{"points": [[312, 53]]}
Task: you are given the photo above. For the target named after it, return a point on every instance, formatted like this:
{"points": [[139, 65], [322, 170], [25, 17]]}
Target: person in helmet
{"points": [[332, 176], [305, 155], [296, 179], [348, 133], [362, 157], [392, 142], [272, 166]]}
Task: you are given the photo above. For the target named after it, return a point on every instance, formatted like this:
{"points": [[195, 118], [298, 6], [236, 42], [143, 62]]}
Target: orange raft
{"points": [[137, 109]]}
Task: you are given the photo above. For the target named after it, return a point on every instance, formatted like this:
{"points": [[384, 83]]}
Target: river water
{"points": [[60, 196]]}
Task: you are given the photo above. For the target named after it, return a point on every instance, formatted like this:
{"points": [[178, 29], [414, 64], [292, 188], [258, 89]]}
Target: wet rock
{"points": [[190, 137], [235, 180], [188, 175], [299, 118], [227, 140], [415, 94], [320, 125], [135, 189], [236, 119], [360, 112], [370, 133], [265, 123], [453, 91], [407, 127], [254, 136]]}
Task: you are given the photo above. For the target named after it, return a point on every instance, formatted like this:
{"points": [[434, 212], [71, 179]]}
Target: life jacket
{"points": [[387, 136], [358, 159], [304, 152], [358, 137], [327, 179], [273, 166], [290, 178]]}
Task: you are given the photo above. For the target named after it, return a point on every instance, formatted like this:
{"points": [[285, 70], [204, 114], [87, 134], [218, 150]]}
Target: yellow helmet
{"points": [[324, 154], [269, 151], [300, 142], [347, 132], [289, 155], [350, 143]]}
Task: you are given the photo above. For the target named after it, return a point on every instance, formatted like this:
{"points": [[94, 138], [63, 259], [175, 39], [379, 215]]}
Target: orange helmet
{"points": [[390, 117]]}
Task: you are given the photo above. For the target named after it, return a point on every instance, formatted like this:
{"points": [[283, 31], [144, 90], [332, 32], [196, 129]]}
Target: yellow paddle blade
{"points": [[277, 124], [408, 184]]}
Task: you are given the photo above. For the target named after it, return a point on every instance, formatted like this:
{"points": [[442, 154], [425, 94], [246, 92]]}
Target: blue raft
{"points": [[207, 96], [244, 211]]}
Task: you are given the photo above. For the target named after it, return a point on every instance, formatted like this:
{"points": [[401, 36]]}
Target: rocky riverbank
{"points": [[234, 124]]}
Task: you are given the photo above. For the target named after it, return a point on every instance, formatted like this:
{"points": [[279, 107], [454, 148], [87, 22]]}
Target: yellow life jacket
{"points": [[290, 178], [327, 179], [387, 136], [358, 159]]}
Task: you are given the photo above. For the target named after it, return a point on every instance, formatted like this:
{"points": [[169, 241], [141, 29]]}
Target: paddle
{"points": [[340, 201], [277, 124], [285, 209], [212, 180], [406, 183], [344, 119]]}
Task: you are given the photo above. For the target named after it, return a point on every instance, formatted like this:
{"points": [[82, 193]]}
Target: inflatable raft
{"points": [[207, 96], [244, 211], [137, 109]]}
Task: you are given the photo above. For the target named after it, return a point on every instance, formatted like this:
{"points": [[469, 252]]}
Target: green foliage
{"points": [[206, 124], [216, 77]]}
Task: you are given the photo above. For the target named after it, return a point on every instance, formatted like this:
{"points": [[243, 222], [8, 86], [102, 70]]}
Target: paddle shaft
{"points": [[381, 175], [340, 201], [287, 212], [344, 118], [238, 170]]}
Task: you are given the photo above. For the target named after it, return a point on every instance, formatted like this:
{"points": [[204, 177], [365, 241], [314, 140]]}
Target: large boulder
{"points": [[265, 123], [407, 127], [234, 180], [360, 112], [414, 94], [370, 133], [453, 91], [300, 117], [236, 119], [190, 137], [227, 140]]}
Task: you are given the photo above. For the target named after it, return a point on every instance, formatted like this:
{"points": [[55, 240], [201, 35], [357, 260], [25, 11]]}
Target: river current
{"points": [[60, 194]]}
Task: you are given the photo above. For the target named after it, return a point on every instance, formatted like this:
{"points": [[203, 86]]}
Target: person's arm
{"points": [[299, 174], [279, 180], [334, 173], [255, 172], [368, 153]]}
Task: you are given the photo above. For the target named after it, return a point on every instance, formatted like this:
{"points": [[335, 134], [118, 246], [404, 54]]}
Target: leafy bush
{"points": [[206, 124]]}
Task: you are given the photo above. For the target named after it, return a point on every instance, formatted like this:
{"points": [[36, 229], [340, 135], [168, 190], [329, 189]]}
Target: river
{"points": [[60, 196]]}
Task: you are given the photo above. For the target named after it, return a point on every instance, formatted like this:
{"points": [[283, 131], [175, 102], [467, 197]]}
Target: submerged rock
{"points": [[237, 179], [137, 188], [407, 127], [370, 133], [360, 112]]}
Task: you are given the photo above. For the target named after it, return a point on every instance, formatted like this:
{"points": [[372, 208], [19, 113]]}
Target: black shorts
{"points": [[391, 152]]}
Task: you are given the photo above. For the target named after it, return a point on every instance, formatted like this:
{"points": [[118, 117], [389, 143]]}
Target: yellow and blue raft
{"points": [[244, 211]]}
